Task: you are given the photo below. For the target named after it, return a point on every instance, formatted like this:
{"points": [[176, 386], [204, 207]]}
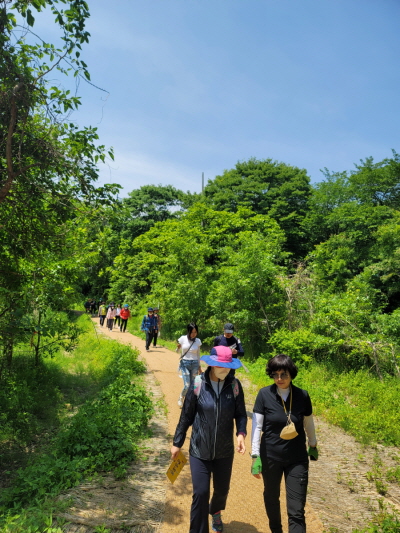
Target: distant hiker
{"points": [[227, 339], [87, 305], [102, 313], [189, 362], [157, 330], [124, 315], [149, 325], [118, 315], [93, 307], [282, 416], [110, 316], [212, 405]]}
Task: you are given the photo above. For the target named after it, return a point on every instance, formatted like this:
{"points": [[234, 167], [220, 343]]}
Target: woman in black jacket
{"points": [[211, 405]]}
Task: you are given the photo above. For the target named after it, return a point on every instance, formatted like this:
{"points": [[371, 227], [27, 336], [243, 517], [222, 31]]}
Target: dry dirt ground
{"points": [[340, 496]]}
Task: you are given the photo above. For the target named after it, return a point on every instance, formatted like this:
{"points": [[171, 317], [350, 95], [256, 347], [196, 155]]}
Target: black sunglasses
{"points": [[275, 375]]}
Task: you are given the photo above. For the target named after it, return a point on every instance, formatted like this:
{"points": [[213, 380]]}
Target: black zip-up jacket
{"points": [[212, 419]]}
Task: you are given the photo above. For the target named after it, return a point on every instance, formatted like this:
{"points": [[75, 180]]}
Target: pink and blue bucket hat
{"points": [[221, 356]]}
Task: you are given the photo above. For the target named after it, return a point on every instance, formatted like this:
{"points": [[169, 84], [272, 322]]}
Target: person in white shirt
{"points": [[189, 363]]}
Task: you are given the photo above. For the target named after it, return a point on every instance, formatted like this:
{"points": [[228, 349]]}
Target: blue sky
{"points": [[197, 85]]}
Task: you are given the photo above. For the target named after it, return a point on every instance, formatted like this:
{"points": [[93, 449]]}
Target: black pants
{"points": [[149, 338], [155, 335], [296, 480], [102, 317], [117, 320], [124, 322], [110, 323], [201, 471]]}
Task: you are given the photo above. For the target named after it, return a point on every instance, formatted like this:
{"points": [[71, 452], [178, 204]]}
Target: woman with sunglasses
{"points": [[283, 406]]}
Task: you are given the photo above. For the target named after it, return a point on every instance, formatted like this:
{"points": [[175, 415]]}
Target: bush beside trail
{"points": [[103, 435]]}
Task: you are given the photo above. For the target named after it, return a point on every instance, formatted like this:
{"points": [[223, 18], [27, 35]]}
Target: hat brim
{"points": [[212, 360]]}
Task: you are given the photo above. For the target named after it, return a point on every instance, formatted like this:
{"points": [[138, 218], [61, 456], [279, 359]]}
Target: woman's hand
{"points": [[174, 452], [241, 447], [256, 466]]}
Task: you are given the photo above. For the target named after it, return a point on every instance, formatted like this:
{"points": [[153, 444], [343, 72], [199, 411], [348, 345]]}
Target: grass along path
{"points": [[245, 511], [342, 494]]}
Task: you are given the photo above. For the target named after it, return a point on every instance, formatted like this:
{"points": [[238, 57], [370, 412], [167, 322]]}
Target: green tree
{"points": [[48, 166], [266, 187], [352, 244], [147, 205], [370, 184], [184, 264]]}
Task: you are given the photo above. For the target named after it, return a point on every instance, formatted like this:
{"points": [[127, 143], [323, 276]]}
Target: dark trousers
{"points": [[149, 338], [118, 320], [124, 321], [110, 323], [296, 480], [102, 317], [155, 335], [221, 470]]}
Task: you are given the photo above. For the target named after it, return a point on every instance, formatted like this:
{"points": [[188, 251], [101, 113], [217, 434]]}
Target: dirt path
{"points": [[245, 510], [340, 497]]}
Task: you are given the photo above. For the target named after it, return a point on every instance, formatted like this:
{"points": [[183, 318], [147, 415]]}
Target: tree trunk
{"points": [[38, 339], [8, 349]]}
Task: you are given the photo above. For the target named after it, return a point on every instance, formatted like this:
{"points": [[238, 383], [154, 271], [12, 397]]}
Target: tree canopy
{"points": [[48, 168], [269, 188]]}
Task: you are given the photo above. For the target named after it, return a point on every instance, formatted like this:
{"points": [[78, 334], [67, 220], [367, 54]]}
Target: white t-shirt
{"points": [[194, 353]]}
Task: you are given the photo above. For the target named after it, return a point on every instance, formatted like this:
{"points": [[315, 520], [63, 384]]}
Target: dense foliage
{"points": [[48, 168], [308, 270], [110, 419], [311, 270]]}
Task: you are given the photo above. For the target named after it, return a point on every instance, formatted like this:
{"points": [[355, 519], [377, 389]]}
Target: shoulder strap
{"points": [[235, 387], [183, 355]]}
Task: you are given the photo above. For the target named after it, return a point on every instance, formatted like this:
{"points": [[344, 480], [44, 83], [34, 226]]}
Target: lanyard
{"points": [[283, 403]]}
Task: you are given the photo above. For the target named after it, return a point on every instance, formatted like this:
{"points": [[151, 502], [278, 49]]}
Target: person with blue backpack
{"points": [[213, 402], [149, 326]]}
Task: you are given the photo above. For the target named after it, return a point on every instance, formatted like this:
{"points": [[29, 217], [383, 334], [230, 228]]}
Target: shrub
{"points": [[102, 435]]}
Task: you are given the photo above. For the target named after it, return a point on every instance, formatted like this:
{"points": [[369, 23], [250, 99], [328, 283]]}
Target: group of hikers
{"points": [[282, 418], [211, 401], [115, 315]]}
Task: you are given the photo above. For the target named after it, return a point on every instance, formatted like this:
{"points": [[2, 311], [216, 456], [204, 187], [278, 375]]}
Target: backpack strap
{"points": [[235, 387], [198, 381]]}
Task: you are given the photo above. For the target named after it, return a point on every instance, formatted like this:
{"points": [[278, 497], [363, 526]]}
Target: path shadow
{"points": [[239, 527]]}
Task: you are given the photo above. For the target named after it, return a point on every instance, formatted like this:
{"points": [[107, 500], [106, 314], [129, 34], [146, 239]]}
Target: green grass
{"points": [[358, 402], [110, 414]]}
